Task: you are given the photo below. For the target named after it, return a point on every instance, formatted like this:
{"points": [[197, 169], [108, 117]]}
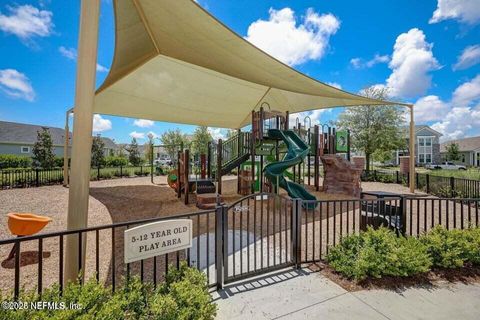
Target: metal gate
{"points": [[258, 236]]}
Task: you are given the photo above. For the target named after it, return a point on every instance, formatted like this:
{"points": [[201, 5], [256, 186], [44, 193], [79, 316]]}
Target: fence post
{"points": [[296, 232], [219, 238], [37, 181], [452, 187], [416, 181], [375, 175], [427, 177], [397, 177], [98, 173], [403, 208]]}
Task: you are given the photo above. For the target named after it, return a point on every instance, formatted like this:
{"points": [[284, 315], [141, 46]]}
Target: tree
{"points": [[374, 129], [453, 152], [172, 140], [98, 156], [148, 150], [43, 155], [201, 138], [133, 153]]}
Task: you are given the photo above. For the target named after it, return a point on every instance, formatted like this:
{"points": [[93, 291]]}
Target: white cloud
{"points": [[100, 124], [290, 42], [143, 123], [16, 85], [458, 122], [411, 64], [464, 118], [314, 115], [470, 56], [335, 84], [137, 135], [466, 11], [71, 54], [218, 133], [27, 22], [430, 108], [468, 93], [358, 63]]}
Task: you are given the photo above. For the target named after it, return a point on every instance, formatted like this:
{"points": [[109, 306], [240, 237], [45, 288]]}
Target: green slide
{"points": [[297, 151]]}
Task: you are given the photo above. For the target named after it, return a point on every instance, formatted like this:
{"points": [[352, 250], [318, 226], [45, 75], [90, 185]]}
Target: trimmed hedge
{"points": [[377, 253], [14, 161], [184, 295]]}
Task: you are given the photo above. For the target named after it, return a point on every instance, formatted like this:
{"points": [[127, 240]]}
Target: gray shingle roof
{"points": [[466, 144], [13, 132]]}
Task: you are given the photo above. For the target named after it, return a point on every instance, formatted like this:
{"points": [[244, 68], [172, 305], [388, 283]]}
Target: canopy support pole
{"points": [[82, 137], [65, 148], [412, 151]]}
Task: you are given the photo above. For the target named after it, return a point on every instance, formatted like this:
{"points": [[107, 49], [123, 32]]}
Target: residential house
{"points": [[427, 146], [19, 138], [469, 151]]}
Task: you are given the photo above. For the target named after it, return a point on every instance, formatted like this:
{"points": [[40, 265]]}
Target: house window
{"points": [[428, 158], [25, 149], [425, 149]]}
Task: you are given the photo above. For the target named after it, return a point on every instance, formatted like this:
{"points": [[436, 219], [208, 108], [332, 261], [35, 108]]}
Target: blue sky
{"points": [[426, 52]]}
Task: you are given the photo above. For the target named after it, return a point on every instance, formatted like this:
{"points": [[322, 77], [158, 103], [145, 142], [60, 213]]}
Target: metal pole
{"points": [[82, 134], [219, 238], [412, 150]]}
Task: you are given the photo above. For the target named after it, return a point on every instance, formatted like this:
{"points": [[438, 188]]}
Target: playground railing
{"points": [[37, 177], [104, 258], [449, 187], [257, 234]]}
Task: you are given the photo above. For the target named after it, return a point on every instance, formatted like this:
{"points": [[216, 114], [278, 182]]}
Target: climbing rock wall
{"points": [[341, 176]]}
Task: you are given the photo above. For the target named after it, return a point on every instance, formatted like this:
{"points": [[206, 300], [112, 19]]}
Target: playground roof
{"points": [[175, 62]]}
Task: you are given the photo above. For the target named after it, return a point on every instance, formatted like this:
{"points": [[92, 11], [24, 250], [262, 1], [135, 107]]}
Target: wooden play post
{"points": [[82, 136], [203, 166], [219, 166], [179, 174], [316, 173], [186, 173]]}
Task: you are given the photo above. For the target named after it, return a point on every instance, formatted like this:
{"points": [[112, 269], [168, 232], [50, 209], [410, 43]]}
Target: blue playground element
{"points": [[297, 151]]}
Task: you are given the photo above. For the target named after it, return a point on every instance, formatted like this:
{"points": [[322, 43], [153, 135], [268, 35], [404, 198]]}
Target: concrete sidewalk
{"points": [[301, 294]]}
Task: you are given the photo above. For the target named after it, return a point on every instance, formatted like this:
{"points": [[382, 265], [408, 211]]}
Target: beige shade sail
{"points": [[175, 62]]}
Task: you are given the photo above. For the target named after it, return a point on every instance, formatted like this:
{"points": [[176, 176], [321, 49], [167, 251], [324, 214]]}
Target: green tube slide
{"points": [[297, 151]]}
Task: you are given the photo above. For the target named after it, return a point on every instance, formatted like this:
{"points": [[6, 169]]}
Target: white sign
{"points": [[157, 238]]}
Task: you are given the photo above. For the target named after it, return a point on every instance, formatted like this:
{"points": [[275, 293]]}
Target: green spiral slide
{"points": [[297, 151]]}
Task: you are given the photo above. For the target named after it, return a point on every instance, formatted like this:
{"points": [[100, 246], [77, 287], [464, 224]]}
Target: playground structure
{"points": [[268, 158]]}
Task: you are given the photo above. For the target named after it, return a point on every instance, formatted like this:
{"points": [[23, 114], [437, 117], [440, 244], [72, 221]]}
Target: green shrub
{"points": [[115, 161], [448, 248], [184, 295], [58, 162], [473, 245], [376, 253], [14, 161]]}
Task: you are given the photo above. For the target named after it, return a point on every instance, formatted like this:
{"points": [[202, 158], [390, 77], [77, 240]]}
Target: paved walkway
{"points": [[301, 294]]}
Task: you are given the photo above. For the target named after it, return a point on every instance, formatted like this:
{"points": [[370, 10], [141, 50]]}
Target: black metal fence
{"points": [[258, 233], [448, 187], [37, 177]]}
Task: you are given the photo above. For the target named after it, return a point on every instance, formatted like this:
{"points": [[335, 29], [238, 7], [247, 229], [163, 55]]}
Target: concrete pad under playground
{"points": [[302, 294]]}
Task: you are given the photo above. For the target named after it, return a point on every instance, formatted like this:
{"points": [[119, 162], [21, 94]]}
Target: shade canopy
{"points": [[175, 62]]}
